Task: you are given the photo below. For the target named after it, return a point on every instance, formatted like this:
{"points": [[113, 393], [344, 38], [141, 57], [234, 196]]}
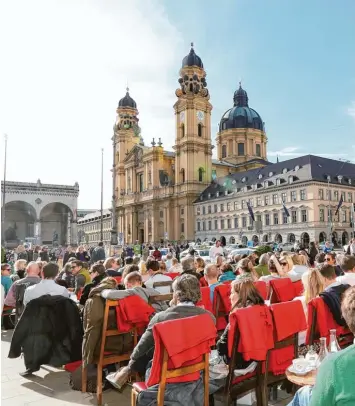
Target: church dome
{"points": [[192, 59], [127, 101], [241, 115]]}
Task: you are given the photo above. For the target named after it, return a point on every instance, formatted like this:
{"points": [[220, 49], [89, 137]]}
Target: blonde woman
{"points": [[21, 253], [20, 269], [246, 270], [199, 265], [176, 266]]}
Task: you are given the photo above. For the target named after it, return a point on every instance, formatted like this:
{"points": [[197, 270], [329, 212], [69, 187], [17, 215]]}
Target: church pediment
{"points": [[135, 155]]}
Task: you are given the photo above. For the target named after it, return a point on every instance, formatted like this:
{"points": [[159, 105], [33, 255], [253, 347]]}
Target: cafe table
{"points": [[302, 380]]}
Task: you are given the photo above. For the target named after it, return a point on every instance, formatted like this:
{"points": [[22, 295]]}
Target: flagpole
{"points": [[4, 195], [329, 213], [102, 196]]}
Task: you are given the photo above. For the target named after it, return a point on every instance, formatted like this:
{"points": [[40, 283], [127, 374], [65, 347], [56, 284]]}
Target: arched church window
{"points": [[200, 175], [182, 175], [224, 151], [182, 130], [199, 130]]}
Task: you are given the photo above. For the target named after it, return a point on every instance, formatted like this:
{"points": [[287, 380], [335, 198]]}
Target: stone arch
{"points": [[334, 237], [345, 238], [223, 241], [322, 237], [245, 240], [278, 238], [20, 219], [255, 239], [232, 240], [305, 240], [265, 238], [54, 222], [291, 238]]}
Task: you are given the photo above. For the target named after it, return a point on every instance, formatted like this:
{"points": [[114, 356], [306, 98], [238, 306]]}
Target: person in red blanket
{"points": [[243, 294], [186, 293]]}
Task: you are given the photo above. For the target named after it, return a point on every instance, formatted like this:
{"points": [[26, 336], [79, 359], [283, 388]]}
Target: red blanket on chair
{"points": [[183, 349], [256, 332], [132, 311]]}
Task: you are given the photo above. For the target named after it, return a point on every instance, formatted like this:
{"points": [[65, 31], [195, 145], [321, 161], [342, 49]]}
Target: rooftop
{"points": [[95, 215]]}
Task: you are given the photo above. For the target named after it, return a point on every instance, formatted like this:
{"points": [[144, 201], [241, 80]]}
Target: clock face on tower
{"points": [[200, 115], [182, 116]]}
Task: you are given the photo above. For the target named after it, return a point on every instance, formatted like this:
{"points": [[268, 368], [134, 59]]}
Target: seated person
{"points": [[333, 291], [46, 286], [227, 273], [82, 275], [175, 267], [67, 276], [186, 293], [188, 267], [330, 258], [211, 276], [262, 268], [347, 264], [17, 290], [111, 267], [155, 275], [6, 281], [128, 261], [274, 274], [246, 270], [98, 273], [335, 378], [243, 294], [133, 285]]}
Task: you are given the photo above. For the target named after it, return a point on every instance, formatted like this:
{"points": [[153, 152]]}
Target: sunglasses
{"points": [[327, 259], [73, 267], [283, 263]]}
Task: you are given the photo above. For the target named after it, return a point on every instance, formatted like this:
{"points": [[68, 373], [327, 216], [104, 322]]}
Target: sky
{"points": [[66, 64]]}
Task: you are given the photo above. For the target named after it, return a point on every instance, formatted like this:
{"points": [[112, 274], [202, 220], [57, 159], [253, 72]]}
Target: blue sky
{"points": [[296, 60], [66, 64]]}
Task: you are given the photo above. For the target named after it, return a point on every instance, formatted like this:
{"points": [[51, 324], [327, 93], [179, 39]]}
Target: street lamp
{"points": [[4, 195], [114, 240], [102, 196], [329, 212]]}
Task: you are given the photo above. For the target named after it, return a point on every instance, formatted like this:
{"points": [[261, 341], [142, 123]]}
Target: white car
{"points": [[241, 251]]}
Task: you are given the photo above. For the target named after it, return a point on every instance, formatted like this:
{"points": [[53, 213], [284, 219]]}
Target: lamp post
{"points": [[329, 213], [114, 240], [102, 196], [4, 195]]}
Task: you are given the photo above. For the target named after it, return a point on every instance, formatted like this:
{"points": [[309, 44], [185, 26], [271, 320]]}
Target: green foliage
{"points": [[262, 249]]}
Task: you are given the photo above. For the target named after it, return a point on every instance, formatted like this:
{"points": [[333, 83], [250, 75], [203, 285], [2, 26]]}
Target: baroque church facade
{"points": [[154, 189]]}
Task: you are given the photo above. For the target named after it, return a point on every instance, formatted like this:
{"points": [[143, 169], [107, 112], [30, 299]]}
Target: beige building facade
{"points": [[89, 228], [153, 189], [310, 188]]}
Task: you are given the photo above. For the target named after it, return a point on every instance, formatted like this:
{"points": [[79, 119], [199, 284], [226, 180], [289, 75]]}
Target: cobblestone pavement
{"points": [[50, 386]]}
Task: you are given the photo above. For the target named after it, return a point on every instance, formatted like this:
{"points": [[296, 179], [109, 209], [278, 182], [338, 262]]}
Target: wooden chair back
{"points": [[106, 359], [163, 284], [160, 298]]}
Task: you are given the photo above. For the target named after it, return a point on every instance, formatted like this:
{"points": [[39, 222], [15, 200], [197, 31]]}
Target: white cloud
{"points": [[296, 151], [65, 65], [351, 109]]}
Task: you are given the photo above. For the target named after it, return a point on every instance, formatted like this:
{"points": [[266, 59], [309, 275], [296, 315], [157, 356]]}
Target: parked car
{"points": [[241, 251]]}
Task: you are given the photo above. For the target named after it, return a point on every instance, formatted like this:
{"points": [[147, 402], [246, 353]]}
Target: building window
{"points": [[209, 210], [243, 204], [215, 208], [200, 175], [182, 227], [283, 197], [343, 196], [293, 196], [224, 151], [198, 226], [199, 130], [244, 222], [214, 174], [240, 149], [222, 224], [250, 221], [161, 214], [236, 206], [343, 216], [304, 216], [203, 210], [294, 216], [140, 182], [210, 225], [267, 219], [229, 224], [336, 195], [182, 175], [328, 194], [284, 218], [182, 130], [258, 218], [258, 201], [222, 207], [274, 199], [276, 218], [321, 215], [320, 194], [235, 222], [182, 210], [198, 210], [266, 200], [258, 150], [303, 194], [216, 224], [350, 197], [229, 206], [203, 226]]}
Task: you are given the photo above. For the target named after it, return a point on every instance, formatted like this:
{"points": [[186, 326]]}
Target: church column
{"points": [[38, 232], [146, 226], [126, 220], [73, 232], [133, 227]]}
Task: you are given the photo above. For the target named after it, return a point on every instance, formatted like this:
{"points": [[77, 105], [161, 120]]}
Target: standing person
{"points": [[29, 251], [216, 250], [327, 247], [47, 286], [20, 269], [98, 254], [21, 253], [43, 254], [69, 253], [82, 255], [330, 259], [60, 256], [6, 281], [157, 254], [312, 252], [36, 252]]}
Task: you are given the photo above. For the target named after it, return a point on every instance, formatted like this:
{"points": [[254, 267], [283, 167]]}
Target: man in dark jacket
{"points": [[43, 254], [98, 274], [333, 292], [98, 253], [69, 253], [186, 293], [45, 336]]}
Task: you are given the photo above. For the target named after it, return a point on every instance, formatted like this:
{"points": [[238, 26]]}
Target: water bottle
{"points": [[323, 352], [333, 343], [312, 357]]}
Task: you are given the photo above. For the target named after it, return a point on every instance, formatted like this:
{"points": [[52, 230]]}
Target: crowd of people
{"points": [[88, 279]]}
